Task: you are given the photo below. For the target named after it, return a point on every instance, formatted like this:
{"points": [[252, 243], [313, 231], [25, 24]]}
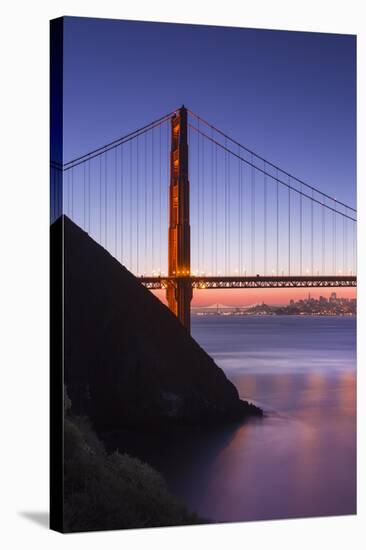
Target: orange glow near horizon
{"points": [[248, 296]]}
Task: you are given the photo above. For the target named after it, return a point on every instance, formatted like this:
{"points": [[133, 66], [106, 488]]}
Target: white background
{"points": [[24, 271]]}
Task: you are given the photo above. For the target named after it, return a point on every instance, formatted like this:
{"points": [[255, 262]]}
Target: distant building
{"points": [[333, 297]]}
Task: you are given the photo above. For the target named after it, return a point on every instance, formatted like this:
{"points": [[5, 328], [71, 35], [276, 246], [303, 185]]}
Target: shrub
{"points": [[113, 491]]}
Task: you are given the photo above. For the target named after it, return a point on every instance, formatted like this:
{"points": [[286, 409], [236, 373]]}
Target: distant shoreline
{"points": [[332, 307], [199, 314]]}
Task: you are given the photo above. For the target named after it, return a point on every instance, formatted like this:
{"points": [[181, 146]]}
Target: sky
{"points": [[290, 96], [244, 297]]}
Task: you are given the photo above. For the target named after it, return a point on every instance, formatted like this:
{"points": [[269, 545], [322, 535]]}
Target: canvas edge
{"points": [[56, 494]]}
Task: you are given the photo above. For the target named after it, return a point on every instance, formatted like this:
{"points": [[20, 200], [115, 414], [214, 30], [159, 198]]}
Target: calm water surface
{"points": [[300, 460]]}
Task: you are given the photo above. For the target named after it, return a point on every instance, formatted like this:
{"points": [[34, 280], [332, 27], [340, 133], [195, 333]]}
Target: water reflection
{"points": [[300, 460]]}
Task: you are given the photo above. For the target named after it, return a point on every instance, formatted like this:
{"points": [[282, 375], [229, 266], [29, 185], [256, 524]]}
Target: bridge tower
{"points": [[179, 292]]}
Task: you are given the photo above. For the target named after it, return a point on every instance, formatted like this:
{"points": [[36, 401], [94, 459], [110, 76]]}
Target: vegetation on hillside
{"points": [[112, 491]]}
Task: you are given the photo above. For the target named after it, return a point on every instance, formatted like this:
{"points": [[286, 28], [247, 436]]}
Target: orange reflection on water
{"points": [[315, 392], [283, 383], [347, 395], [246, 386]]}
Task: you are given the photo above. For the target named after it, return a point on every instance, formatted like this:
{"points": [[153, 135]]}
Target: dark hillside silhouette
{"points": [[128, 360]]}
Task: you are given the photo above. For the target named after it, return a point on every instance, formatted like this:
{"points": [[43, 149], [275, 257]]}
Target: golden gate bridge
{"points": [[184, 206]]}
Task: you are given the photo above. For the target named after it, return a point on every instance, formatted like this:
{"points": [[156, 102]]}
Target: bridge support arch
{"points": [[179, 291]]}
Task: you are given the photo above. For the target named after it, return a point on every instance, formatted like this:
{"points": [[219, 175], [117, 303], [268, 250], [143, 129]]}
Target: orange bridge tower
{"points": [[179, 291]]}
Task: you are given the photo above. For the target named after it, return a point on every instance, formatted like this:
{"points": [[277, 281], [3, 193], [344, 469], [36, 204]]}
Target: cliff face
{"points": [[128, 360]]}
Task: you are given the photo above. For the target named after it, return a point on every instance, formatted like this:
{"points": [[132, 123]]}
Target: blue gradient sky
{"points": [[290, 96]]}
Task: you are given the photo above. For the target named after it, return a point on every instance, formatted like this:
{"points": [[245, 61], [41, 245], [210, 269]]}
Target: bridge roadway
{"points": [[256, 281]]}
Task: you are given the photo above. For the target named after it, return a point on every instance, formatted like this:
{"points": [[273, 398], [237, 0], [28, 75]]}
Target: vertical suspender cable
{"points": [[253, 215], [216, 203], [115, 202], [242, 179], [199, 196], [240, 214], [265, 218], [66, 193], [203, 202], [84, 196], [323, 239], [100, 199], [312, 233], [160, 191], [152, 198], [89, 194], [289, 229], [145, 202], [131, 203], [277, 224], [212, 203], [334, 242], [225, 207], [345, 243], [106, 199], [301, 229], [229, 214], [137, 206], [122, 216], [354, 247], [72, 193]]}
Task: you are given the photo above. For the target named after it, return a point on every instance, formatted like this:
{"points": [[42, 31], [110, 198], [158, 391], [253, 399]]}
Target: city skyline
{"points": [[328, 297]]}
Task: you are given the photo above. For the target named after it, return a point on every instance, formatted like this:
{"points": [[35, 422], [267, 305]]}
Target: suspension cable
{"points": [[268, 162], [120, 141], [250, 163]]}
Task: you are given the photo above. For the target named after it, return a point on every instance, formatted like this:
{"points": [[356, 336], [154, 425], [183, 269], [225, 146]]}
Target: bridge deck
{"points": [[259, 281]]}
